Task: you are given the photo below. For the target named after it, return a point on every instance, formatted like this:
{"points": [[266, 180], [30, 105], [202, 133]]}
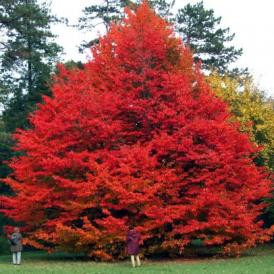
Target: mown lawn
{"points": [[258, 260]]}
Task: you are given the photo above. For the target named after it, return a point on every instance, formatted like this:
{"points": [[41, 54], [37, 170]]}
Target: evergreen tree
{"points": [[101, 14], [201, 31], [5, 153], [162, 7], [113, 11], [27, 59]]}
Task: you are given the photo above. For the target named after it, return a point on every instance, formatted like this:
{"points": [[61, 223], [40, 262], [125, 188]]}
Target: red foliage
{"points": [[136, 137]]}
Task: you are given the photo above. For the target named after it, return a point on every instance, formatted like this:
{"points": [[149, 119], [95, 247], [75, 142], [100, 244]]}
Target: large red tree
{"points": [[136, 137]]}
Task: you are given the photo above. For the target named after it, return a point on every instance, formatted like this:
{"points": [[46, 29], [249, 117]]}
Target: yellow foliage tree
{"points": [[252, 109]]}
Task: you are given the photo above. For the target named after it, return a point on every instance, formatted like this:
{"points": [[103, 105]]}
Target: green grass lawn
{"points": [[258, 260]]}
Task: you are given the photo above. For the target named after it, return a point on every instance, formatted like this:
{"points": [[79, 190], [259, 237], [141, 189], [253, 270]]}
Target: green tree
{"points": [[5, 154], [162, 7], [28, 57], [113, 11], [101, 14], [200, 30]]}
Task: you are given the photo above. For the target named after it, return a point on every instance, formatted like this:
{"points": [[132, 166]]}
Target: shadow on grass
{"points": [[204, 254], [193, 255]]}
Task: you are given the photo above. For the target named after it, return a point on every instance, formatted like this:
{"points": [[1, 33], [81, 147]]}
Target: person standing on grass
{"points": [[133, 240], [16, 246]]}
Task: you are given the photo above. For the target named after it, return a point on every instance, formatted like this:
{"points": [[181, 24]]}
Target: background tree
{"points": [[136, 137], [162, 7], [113, 11], [201, 31], [28, 57], [101, 14], [252, 109], [5, 153]]}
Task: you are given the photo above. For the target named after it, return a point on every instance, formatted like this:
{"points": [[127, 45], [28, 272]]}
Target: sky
{"points": [[252, 21]]}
